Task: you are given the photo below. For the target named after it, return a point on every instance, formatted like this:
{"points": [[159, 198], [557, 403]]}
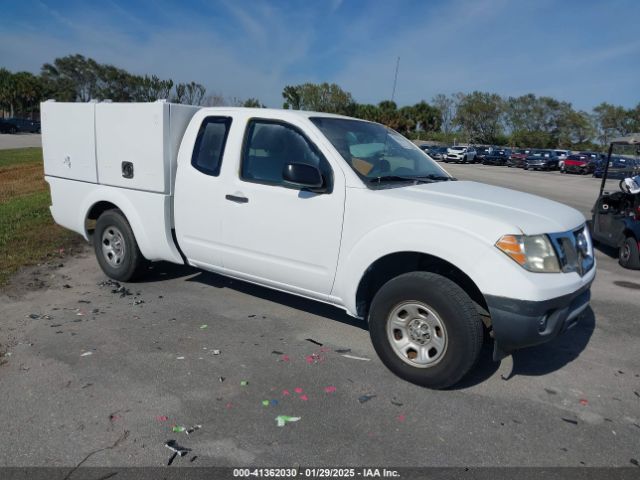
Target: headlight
{"points": [[532, 252]]}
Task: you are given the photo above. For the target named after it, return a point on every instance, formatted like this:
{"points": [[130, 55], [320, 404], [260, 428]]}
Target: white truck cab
{"points": [[331, 208]]}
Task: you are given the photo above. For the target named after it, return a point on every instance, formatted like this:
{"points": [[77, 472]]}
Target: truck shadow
{"points": [[284, 299], [552, 356], [535, 361]]}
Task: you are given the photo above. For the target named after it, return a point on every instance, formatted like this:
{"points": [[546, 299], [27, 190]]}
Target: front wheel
{"points": [[116, 247], [629, 254], [425, 329]]}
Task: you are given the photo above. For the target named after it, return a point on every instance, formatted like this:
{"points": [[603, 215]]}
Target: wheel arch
{"points": [[394, 264]]}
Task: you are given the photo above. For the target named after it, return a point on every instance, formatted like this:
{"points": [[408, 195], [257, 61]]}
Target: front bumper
{"points": [[524, 323]]}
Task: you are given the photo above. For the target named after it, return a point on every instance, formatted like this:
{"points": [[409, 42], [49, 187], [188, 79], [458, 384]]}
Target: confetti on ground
{"points": [[281, 420], [330, 389], [285, 358], [244, 383], [584, 401], [401, 418], [274, 402], [202, 327], [353, 357], [265, 403], [178, 428], [179, 358], [162, 418], [303, 397], [86, 354], [286, 392], [298, 390]]}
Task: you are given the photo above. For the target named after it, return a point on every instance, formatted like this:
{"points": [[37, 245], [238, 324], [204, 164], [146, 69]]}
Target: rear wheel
{"points": [[629, 254], [425, 329], [116, 247]]}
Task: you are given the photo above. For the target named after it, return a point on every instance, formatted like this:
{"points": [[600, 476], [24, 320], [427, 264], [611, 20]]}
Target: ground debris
{"points": [[176, 449], [315, 342], [281, 420], [353, 357], [568, 420], [366, 398]]}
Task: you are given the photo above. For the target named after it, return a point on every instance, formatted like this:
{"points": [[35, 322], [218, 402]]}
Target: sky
{"points": [[581, 51]]}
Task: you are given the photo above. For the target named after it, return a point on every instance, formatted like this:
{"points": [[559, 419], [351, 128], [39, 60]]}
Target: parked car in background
{"points": [[518, 157], [482, 152], [6, 127], [619, 168], [562, 156], [460, 155], [542, 160], [499, 156], [25, 125], [582, 164], [595, 156], [438, 153]]}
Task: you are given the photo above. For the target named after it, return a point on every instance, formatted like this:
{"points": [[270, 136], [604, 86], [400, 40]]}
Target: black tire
{"points": [[629, 254], [464, 159], [13, 130], [456, 312], [132, 264]]}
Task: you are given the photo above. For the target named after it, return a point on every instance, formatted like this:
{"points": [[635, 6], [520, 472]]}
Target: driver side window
{"points": [[270, 145]]}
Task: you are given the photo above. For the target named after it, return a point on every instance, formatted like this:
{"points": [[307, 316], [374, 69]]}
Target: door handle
{"points": [[237, 199]]}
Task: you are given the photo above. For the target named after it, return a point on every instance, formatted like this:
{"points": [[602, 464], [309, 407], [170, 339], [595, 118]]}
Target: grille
{"points": [[574, 249]]}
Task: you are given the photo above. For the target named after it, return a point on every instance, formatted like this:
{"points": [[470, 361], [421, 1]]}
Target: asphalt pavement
{"points": [[19, 140], [97, 375]]}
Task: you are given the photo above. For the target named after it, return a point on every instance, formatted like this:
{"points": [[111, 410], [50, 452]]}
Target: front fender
{"points": [[491, 270], [468, 251]]}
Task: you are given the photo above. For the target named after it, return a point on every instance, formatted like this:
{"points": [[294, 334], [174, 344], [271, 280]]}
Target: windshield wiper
{"points": [[433, 176], [400, 178]]}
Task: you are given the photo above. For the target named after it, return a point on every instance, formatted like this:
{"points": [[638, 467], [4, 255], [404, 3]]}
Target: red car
{"points": [[518, 158], [582, 164]]}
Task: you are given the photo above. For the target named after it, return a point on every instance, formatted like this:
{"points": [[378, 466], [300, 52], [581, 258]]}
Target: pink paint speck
{"points": [[584, 401], [330, 389], [285, 358], [401, 418], [286, 392], [229, 405], [162, 418], [298, 390], [304, 397]]}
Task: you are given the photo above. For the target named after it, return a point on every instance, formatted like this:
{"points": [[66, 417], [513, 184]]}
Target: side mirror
{"points": [[302, 175]]}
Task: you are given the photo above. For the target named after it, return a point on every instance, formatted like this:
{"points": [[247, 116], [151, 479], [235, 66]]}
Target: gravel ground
{"points": [[98, 378]]}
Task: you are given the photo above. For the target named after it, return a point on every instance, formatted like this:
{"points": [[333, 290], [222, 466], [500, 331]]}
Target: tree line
{"points": [[476, 117], [75, 78], [479, 117]]}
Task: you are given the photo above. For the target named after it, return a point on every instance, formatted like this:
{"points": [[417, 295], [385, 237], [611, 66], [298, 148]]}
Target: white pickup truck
{"points": [[331, 208]]}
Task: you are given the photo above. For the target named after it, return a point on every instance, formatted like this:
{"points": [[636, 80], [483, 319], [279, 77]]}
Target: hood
{"points": [[515, 211]]}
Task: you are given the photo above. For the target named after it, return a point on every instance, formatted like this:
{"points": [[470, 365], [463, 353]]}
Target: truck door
{"points": [[275, 234], [198, 199]]}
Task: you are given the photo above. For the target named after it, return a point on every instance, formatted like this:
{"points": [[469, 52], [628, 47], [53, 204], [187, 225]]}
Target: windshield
{"points": [[375, 152]]}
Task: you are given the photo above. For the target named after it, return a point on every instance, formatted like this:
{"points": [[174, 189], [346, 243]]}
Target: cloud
{"points": [[253, 48]]}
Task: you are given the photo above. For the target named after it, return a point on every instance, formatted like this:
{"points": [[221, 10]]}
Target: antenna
{"points": [[395, 80]]}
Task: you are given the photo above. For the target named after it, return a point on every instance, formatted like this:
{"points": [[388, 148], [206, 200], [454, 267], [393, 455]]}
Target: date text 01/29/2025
{"points": [[315, 472]]}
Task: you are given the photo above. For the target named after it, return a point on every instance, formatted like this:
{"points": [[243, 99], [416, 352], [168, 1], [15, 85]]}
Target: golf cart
{"points": [[616, 215]]}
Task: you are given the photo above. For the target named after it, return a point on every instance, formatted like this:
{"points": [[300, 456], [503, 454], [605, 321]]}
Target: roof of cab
{"points": [[279, 112]]}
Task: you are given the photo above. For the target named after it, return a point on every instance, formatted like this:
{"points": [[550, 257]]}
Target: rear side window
{"points": [[210, 143]]}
